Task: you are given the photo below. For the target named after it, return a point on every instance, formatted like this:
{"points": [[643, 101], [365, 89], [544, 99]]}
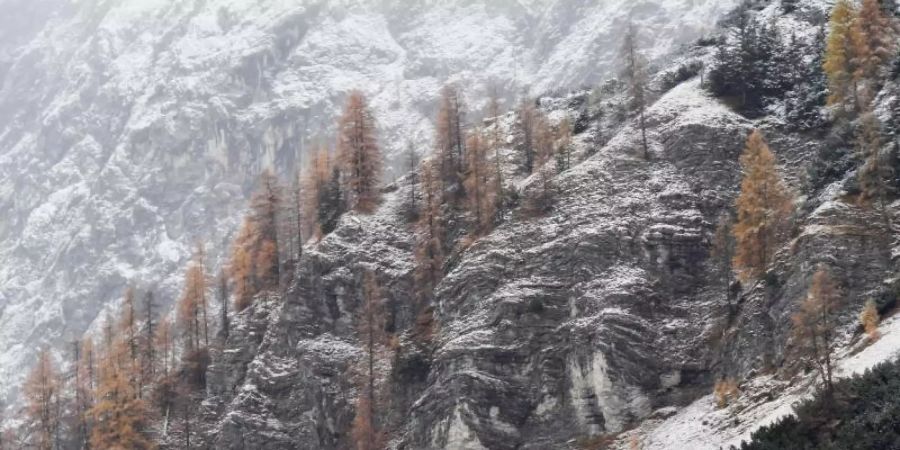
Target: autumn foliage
{"points": [[255, 259], [42, 401], [359, 155], [815, 325], [430, 233], [367, 431], [763, 209]]}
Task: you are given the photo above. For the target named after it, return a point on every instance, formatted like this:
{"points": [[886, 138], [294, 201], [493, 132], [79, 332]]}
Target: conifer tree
{"points": [[411, 209], [429, 251], [876, 171], [42, 401], [839, 56], [119, 416], [191, 305], [815, 323], [564, 146], [255, 257], [315, 178], [873, 40], [528, 117], [241, 267], [298, 218], [496, 144], [450, 137], [359, 155], [264, 205], [148, 341], [83, 389], [128, 330], [367, 432], [763, 208], [332, 202], [723, 251], [164, 342], [869, 319], [479, 186], [544, 141], [222, 292], [634, 73], [76, 425], [803, 107]]}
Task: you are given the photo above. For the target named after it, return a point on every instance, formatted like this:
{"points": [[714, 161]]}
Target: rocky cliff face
{"points": [[129, 129], [588, 321], [604, 315]]}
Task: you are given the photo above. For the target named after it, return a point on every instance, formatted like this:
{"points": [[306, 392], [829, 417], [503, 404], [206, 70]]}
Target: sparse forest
{"points": [[556, 256]]}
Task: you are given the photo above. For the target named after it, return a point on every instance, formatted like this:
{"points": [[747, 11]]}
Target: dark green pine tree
{"points": [[804, 103], [331, 202]]}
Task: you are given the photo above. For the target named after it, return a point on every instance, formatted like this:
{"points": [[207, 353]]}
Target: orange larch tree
{"points": [[367, 431], [42, 401], [763, 209], [359, 155]]}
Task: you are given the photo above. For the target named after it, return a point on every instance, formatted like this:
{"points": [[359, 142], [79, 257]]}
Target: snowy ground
{"points": [[703, 426]]}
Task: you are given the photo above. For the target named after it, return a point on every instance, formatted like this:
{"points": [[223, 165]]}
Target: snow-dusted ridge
{"points": [[703, 426]]}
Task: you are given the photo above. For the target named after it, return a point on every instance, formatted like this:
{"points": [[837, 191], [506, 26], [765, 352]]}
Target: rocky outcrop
{"points": [[552, 330]]}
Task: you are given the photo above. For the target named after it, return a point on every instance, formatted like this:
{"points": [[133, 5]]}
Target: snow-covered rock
{"points": [[129, 129]]}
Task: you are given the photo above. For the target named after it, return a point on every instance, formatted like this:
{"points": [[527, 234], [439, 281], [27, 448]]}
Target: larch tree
{"points": [[495, 144], [298, 217], [264, 207], [528, 119], [411, 209], [128, 329], [84, 389], [119, 416], [367, 432], [634, 74], [839, 57], [429, 250], [222, 294], [544, 141], [315, 173], [876, 172], [814, 325], [42, 401], [874, 45], [78, 425], [165, 343], [869, 319], [166, 382], [241, 268], [722, 251], [450, 138], [323, 197], [332, 201], [564, 146], [255, 263], [763, 208], [148, 341], [479, 186], [193, 323], [190, 307], [359, 155]]}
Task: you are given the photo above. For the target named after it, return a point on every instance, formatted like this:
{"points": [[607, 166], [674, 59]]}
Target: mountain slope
{"points": [[131, 128]]}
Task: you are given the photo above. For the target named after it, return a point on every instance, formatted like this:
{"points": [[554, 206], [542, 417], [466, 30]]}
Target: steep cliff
{"points": [[129, 129], [605, 316]]}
